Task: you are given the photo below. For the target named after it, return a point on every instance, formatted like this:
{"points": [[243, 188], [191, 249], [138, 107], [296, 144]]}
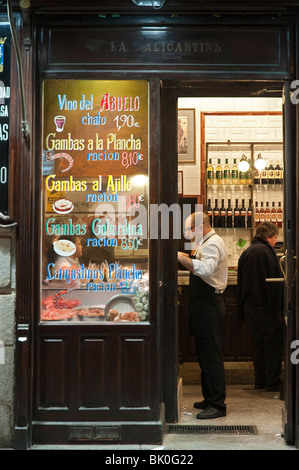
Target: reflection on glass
{"points": [[95, 210]]}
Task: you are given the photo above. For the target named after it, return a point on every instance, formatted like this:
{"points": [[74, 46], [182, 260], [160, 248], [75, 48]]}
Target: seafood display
{"points": [[140, 302], [94, 313], [114, 315], [56, 308], [117, 306], [120, 308], [57, 314], [57, 296], [64, 310], [48, 303]]}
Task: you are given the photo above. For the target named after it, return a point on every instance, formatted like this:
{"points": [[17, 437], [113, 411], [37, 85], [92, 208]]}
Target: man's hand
{"points": [[180, 253]]}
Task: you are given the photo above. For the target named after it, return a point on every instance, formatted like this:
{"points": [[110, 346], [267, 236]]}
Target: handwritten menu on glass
{"points": [[95, 200]]}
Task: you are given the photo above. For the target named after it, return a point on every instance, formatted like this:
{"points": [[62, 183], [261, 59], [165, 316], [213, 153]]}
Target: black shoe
{"points": [[200, 405], [210, 413], [258, 387]]}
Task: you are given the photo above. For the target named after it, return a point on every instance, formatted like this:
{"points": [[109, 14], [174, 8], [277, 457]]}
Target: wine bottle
{"points": [[229, 215], [226, 173], [273, 214], [222, 214], [264, 175], [270, 173], [278, 174], [249, 176], [267, 213], [235, 173], [279, 215], [262, 213], [257, 176], [249, 215], [256, 215], [210, 173], [219, 173], [242, 214], [210, 212], [236, 215], [216, 215], [242, 177]]}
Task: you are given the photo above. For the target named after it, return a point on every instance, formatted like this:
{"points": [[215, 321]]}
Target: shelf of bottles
{"points": [[238, 200]]}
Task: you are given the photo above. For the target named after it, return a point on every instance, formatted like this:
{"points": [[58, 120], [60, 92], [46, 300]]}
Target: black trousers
{"points": [[208, 335], [267, 345]]}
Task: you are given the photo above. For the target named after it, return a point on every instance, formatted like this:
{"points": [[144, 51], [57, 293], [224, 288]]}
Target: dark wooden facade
{"points": [[183, 50]]}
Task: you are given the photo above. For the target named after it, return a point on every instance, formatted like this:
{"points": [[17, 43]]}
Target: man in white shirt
{"points": [[208, 279]]}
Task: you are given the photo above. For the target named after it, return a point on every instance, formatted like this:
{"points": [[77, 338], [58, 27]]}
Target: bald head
{"points": [[199, 218], [197, 225]]}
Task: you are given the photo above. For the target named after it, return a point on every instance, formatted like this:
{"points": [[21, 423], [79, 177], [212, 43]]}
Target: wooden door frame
{"points": [[25, 210], [169, 195], [169, 167]]}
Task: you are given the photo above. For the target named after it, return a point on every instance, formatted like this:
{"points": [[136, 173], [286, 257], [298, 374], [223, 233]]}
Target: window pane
{"points": [[95, 193]]}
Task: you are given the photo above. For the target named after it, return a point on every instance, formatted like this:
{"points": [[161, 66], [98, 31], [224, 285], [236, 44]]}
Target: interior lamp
{"points": [[243, 164], [259, 163], [149, 3], [140, 180]]}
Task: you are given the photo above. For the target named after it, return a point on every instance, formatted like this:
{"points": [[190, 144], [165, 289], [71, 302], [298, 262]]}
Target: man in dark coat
{"points": [[261, 303]]}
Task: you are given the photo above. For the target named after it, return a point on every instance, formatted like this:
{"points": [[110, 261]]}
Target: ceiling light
{"points": [[243, 164], [259, 162], [149, 3]]}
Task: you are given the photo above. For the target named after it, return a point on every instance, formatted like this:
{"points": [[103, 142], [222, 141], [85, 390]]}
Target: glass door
{"points": [[95, 352], [288, 262]]}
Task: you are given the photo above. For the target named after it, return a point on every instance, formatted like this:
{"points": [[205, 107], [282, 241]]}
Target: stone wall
{"points": [[7, 335]]}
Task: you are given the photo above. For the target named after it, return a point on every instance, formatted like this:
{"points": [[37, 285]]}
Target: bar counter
{"points": [[183, 277]]}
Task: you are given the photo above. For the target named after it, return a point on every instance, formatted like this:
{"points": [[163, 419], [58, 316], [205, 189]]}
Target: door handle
{"points": [[284, 273], [279, 279], [8, 220]]}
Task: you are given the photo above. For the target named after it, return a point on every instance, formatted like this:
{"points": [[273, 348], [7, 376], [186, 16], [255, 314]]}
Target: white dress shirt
{"points": [[211, 261]]}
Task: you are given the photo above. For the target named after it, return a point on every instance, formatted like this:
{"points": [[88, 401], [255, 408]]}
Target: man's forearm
{"points": [[185, 261]]}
